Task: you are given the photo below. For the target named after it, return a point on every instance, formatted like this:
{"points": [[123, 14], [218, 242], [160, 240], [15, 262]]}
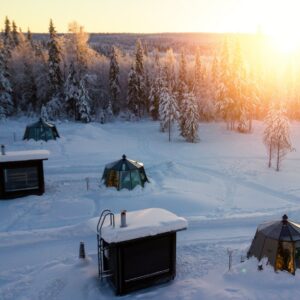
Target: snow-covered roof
{"points": [[24, 155], [140, 223]]}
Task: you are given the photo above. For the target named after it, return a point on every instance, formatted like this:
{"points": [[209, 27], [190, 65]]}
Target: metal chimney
{"points": [[2, 149], [123, 218]]}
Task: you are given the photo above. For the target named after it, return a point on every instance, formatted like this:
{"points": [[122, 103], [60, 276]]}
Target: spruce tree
{"points": [[214, 70], [29, 37], [29, 86], [54, 105], [190, 131], [169, 70], [224, 101], [155, 89], [7, 37], [140, 79], [83, 106], [139, 59], [72, 93], [114, 84], [182, 80], [133, 92], [6, 102], [146, 92], [15, 34], [168, 111], [183, 113], [109, 115], [44, 113], [55, 75], [198, 76]]}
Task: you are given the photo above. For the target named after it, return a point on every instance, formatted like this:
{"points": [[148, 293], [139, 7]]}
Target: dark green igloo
{"points": [[124, 173], [41, 130]]}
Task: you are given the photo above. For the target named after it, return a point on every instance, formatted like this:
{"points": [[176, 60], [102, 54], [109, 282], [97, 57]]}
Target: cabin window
{"points": [[21, 179], [135, 178], [125, 180], [113, 178]]}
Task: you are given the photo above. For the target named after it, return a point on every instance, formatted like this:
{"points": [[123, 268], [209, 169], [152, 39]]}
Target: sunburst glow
{"points": [[281, 22]]}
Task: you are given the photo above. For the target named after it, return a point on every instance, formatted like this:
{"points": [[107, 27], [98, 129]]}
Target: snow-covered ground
{"points": [[221, 185]]}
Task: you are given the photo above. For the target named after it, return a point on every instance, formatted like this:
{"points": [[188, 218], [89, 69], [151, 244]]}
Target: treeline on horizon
{"points": [[65, 76]]}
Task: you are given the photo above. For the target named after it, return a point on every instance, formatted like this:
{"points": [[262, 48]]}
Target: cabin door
{"points": [[285, 257]]}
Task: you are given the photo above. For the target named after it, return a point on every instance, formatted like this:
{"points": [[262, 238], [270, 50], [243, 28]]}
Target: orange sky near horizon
{"points": [[151, 16]]}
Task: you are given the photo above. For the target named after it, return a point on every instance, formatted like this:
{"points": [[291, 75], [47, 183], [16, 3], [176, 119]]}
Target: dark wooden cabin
{"points": [[141, 254], [22, 173]]}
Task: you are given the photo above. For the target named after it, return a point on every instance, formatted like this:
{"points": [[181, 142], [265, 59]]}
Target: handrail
{"points": [[100, 224], [112, 221], [101, 215]]}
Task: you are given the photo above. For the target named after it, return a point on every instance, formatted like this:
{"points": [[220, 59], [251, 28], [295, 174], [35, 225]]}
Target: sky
{"points": [[151, 16]]}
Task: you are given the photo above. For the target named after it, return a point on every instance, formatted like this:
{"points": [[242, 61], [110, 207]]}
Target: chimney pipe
{"points": [[2, 149], [81, 250], [123, 218]]}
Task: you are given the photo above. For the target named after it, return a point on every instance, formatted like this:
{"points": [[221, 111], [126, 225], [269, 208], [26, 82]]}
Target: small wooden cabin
{"points": [[22, 173], [141, 253]]}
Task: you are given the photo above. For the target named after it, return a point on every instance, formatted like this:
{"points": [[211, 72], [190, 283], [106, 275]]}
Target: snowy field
{"points": [[221, 185]]}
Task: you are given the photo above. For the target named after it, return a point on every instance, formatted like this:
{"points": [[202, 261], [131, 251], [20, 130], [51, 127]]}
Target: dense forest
{"points": [[71, 76]]}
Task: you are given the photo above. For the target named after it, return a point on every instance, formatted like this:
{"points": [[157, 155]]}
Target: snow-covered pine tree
{"points": [[29, 87], [139, 58], [224, 102], [40, 68], [109, 115], [202, 90], [72, 93], [169, 70], [55, 75], [114, 82], [7, 38], [44, 113], [55, 78], [54, 108], [192, 118], [6, 102], [237, 91], [83, 105], [168, 111], [140, 78], [182, 79], [133, 92], [155, 88], [29, 37], [15, 34], [183, 112], [23, 71], [155, 92], [198, 76], [147, 89], [214, 71], [277, 135]]}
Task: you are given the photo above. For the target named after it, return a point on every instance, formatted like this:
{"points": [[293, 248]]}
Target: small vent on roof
{"points": [[284, 219], [2, 149]]}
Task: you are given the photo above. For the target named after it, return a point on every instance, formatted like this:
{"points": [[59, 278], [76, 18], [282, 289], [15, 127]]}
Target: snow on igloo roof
{"points": [[140, 223], [24, 155]]}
